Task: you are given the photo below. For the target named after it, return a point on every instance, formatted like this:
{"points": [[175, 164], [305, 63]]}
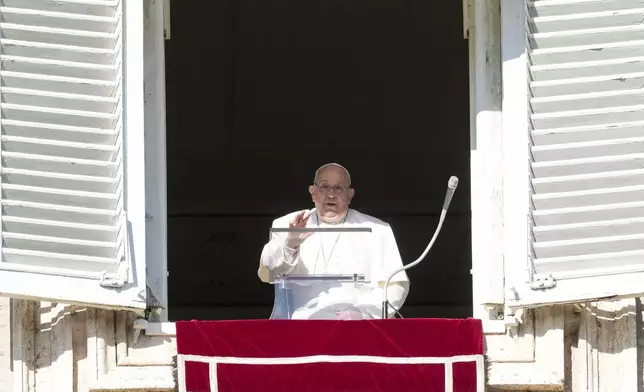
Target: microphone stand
{"points": [[451, 187]]}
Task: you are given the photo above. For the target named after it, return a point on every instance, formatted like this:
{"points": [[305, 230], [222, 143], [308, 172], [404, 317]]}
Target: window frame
{"points": [[487, 267], [516, 184], [486, 163], [483, 25], [155, 156]]}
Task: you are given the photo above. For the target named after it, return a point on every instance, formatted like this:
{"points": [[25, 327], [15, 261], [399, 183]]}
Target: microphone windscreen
{"points": [[453, 182]]}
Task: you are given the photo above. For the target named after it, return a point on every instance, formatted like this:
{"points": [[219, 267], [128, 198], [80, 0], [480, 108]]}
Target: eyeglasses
{"points": [[326, 188]]}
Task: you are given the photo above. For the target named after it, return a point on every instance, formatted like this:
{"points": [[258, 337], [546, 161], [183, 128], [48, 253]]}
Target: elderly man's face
{"points": [[332, 194]]}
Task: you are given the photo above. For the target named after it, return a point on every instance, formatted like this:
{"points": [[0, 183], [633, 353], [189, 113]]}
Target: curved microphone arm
{"points": [[451, 187]]}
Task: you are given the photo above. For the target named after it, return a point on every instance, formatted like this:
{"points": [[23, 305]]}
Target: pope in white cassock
{"points": [[374, 255]]}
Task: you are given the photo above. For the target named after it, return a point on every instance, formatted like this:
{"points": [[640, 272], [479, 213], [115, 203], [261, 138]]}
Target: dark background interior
{"points": [[261, 93]]}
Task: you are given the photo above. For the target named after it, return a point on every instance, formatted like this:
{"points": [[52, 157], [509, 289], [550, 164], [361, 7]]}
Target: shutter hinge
{"points": [[542, 282], [115, 279]]}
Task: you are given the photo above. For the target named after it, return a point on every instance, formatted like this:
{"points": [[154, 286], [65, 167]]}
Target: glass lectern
{"points": [[320, 297], [324, 295]]}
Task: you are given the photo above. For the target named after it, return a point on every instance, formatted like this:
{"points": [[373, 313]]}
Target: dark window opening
{"points": [[261, 93]]}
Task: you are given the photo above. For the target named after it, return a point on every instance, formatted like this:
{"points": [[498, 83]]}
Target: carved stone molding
{"points": [[86, 349]]}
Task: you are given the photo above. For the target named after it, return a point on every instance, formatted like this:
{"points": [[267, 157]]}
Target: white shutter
{"points": [[586, 123], [66, 235]]}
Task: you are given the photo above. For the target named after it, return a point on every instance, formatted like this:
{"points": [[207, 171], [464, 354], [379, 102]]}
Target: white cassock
{"points": [[372, 254]]}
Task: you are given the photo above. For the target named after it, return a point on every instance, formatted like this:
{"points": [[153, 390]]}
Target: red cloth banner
{"points": [[396, 355]]}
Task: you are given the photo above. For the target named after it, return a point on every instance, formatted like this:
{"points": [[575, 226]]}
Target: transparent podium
{"points": [[311, 296], [317, 297]]}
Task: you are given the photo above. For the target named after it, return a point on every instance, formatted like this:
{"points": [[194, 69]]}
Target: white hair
{"points": [[318, 171]]}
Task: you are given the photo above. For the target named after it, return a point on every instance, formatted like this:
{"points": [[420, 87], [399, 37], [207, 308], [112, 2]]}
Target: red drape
{"points": [[301, 338]]}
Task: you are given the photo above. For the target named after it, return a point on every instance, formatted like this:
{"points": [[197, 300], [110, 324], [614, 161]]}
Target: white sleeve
{"points": [[277, 258], [370, 303], [389, 261]]}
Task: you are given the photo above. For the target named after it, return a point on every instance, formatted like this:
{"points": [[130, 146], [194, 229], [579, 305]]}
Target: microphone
{"points": [[451, 188]]}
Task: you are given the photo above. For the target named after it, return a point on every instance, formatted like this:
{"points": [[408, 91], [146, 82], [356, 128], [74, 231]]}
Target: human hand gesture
{"points": [[299, 221]]}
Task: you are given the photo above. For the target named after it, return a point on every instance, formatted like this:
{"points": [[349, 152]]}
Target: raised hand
{"points": [[299, 221]]}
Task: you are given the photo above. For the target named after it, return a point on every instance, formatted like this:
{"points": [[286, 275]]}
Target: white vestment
{"points": [[372, 254]]}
